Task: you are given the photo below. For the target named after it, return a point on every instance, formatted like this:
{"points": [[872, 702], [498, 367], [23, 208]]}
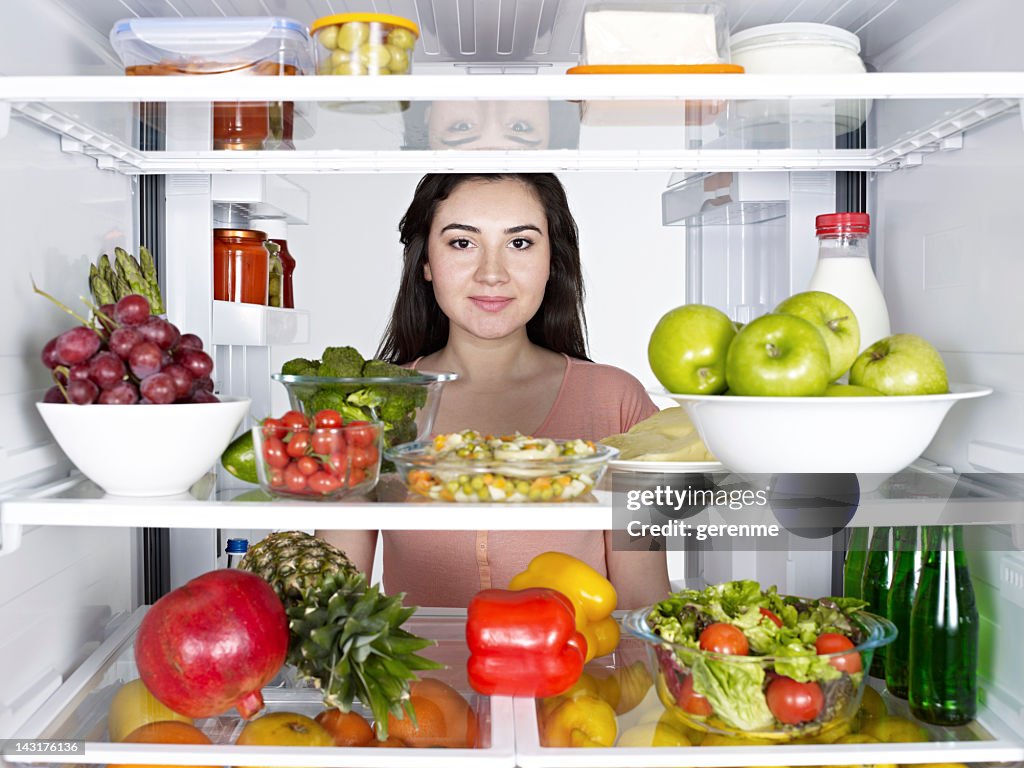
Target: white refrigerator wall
{"points": [[60, 590], [947, 242]]}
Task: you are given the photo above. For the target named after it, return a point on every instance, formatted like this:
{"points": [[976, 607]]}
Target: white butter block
{"points": [[649, 37]]}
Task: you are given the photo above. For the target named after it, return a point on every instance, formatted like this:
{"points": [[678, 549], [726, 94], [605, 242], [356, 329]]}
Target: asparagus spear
{"points": [[101, 290], [156, 301], [105, 270], [130, 270]]}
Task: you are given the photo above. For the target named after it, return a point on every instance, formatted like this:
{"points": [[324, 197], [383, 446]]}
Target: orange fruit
{"points": [[349, 729], [391, 741], [167, 732], [443, 717]]}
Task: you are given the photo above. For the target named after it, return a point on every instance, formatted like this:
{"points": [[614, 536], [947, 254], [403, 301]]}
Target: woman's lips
{"points": [[490, 303]]}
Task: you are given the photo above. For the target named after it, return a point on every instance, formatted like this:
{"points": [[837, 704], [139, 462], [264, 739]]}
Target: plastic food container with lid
{"points": [[798, 48], [672, 32], [242, 45], [364, 44]]}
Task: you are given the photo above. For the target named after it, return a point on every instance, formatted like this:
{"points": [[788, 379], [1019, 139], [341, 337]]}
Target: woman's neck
{"points": [[491, 361]]}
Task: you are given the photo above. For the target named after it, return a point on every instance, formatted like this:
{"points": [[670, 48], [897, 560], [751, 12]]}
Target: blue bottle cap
{"points": [[237, 546]]}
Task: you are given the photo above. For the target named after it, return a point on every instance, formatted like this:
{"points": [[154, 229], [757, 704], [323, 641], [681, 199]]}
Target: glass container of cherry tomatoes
{"points": [[317, 458]]}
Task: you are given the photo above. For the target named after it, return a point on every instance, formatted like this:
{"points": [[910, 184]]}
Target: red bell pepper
{"points": [[523, 643]]}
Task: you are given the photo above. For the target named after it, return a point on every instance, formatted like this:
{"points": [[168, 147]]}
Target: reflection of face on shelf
{"points": [[489, 125]]}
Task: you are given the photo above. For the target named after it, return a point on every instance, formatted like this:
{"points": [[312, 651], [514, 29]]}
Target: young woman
{"points": [[492, 289]]}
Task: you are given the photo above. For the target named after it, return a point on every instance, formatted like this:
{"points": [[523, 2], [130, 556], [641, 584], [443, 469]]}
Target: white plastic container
{"points": [[795, 48], [242, 45], [666, 32], [799, 48]]}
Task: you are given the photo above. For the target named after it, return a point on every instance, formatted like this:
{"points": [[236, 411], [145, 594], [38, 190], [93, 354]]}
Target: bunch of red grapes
{"points": [[130, 357]]}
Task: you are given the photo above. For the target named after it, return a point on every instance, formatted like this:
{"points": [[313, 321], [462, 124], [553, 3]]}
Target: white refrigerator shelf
{"points": [[987, 740], [78, 711]]}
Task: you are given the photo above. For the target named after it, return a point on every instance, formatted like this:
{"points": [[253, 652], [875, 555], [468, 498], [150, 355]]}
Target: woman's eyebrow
{"points": [[510, 231]]}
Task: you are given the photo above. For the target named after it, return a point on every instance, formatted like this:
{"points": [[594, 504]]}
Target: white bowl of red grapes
{"points": [[123, 358], [317, 458]]}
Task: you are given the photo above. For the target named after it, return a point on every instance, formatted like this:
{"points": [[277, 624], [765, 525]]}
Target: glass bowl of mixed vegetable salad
{"points": [[468, 466], [737, 660]]}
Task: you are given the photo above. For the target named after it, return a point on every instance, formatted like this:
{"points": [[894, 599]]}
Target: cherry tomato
{"points": [[355, 477], [360, 457], [323, 482], [772, 617], [298, 445], [360, 433], [793, 703], [833, 642], [274, 428], [337, 463], [307, 465], [327, 441], [276, 478], [725, 639], [274, 452], [327, 419], [693, 702], [294, 480], [294, 421]]}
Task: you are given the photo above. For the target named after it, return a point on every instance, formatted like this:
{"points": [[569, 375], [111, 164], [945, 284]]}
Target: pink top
{"points": [[446, 568]]}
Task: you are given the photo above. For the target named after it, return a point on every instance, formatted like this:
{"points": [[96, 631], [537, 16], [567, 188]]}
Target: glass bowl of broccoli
{"points": [[404, 400]]}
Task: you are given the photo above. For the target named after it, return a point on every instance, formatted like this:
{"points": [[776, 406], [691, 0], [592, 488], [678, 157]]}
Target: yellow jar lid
{"points": [[382, 18]]}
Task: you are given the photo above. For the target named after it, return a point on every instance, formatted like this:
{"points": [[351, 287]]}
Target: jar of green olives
{"points": [[364, 44]]}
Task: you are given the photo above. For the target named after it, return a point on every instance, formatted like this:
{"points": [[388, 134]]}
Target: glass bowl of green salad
{"points": [[742, 661]]}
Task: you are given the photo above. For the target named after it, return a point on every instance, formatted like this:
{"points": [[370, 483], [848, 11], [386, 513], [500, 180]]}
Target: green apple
{"points": [[688, 347], [903, 364], [835, 322], [850, 390], [778, 356]]}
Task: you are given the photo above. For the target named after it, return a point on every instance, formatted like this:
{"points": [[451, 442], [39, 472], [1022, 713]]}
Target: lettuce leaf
{"points": [[734, 690]]}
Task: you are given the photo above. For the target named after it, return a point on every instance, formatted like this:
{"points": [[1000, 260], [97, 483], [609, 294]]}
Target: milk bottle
{"points": [[844, 270]]}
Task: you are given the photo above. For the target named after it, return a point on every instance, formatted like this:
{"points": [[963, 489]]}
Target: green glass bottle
{"points": [[856, 555], [874, 587], [906, 572], [944, 633]]}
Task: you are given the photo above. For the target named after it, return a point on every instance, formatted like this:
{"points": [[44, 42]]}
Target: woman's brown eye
{"points": [[521, 126]]}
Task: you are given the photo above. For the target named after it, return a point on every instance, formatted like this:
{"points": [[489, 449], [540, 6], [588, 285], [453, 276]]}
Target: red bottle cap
{"points": [[843, 224]]}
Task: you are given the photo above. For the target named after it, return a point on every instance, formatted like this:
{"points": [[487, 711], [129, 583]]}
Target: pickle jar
{"points": [[241, 266]]}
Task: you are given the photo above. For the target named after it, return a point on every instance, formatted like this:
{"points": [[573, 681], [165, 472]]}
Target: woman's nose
{"points": [[491, 269]]}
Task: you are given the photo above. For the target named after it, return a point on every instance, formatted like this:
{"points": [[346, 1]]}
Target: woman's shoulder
{"points": [[601, 374]]}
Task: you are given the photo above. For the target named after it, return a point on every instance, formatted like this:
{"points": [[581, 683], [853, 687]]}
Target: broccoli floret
{"points": [[300, 366], [367, 397], [345, 362], [325, 398], [400, 432], [398, 408], [377, 368]]}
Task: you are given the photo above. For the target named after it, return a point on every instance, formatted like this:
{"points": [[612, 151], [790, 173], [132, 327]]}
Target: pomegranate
{"points": [[212, 644]]}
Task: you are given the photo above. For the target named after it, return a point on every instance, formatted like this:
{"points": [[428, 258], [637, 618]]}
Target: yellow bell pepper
{"points": [[591, 594]]}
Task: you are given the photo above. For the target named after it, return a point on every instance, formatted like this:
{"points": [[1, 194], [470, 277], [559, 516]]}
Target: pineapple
{"points": [[345, 636]]}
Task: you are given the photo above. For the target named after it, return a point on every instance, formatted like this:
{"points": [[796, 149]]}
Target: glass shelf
{"points": [[913, 497], [555, 122]]}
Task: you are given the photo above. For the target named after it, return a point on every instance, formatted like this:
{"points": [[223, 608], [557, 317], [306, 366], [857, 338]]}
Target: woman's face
{"points": [[489, 257], [489, 125]]}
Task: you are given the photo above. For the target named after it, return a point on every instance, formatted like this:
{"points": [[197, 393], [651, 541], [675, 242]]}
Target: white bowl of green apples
{"points": [[766, 398]]}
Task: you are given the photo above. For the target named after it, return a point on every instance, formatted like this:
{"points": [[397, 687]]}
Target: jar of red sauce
{"points": [[241, 266]]}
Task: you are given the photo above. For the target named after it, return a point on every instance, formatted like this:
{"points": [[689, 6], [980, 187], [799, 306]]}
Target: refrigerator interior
{"points": [[943, 240]]}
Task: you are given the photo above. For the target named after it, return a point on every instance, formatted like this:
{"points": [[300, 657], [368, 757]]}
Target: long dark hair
{"points": [[418, 327]]}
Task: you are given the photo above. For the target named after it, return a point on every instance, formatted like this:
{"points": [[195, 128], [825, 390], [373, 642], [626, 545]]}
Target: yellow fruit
{"points": [[872, 704], [134, 706], [284, 729], [634, 683], [719, 740], [660, 734], [578, 738], [589, 714], [894, 730], [857, 738], [941, 765]]}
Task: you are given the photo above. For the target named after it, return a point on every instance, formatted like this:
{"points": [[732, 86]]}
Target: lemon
{"points": [[894, 730], [872, 704], [660, 734], [134, 706]]}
